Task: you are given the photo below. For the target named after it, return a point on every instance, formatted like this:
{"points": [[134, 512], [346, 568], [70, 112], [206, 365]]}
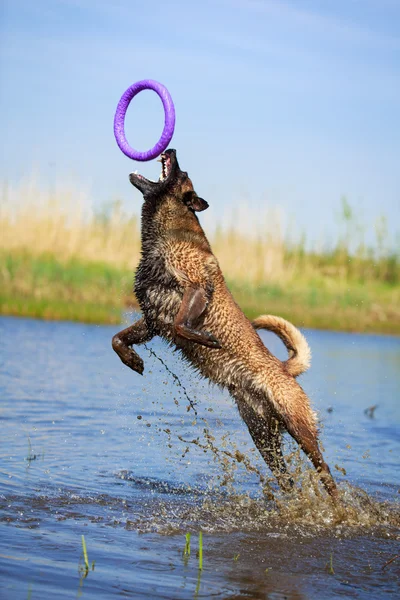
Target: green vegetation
{"points": [[329, 565], [31, 456], [95, 292], [186, 550], [200, 550], [63, 263], [46, 287], [84, 570], [323, 304], [85, 554]]}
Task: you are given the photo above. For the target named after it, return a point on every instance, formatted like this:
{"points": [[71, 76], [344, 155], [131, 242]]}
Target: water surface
{"points": [[89, 447]]}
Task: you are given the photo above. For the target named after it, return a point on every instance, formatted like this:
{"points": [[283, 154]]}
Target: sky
{"points": [[289, 104]]}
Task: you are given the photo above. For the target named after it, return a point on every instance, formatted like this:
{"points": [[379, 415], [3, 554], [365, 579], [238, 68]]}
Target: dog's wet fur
{"points": [[184, 299]]}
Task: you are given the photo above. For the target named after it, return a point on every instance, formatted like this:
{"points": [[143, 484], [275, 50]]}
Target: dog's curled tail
{"points": [[299, 351]]}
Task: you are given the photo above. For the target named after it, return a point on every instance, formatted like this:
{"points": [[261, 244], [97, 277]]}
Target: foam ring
{"points": [[169, 121]]}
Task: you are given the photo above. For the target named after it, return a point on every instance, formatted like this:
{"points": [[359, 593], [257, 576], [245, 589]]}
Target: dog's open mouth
{"points": [[166, 160], [166, 165]]}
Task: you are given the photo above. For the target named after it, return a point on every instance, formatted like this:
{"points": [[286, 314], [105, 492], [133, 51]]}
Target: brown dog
{"points": [[184, 299]]}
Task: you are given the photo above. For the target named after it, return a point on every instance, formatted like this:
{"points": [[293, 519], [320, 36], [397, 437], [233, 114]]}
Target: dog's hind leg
{"points": [[308, 441], [266, 435], [138, 333], [194, 303]]}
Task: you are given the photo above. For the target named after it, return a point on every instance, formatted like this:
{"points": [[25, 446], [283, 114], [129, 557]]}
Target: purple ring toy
{"points": [[169, 122]]}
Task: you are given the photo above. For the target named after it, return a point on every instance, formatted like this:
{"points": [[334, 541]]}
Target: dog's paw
{"points": [[212, 341], [133, 361]]}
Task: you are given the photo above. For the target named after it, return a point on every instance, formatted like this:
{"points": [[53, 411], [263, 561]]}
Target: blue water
{"points": [[89, 447]]}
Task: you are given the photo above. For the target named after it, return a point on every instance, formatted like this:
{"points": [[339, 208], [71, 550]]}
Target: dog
{"points": [[184, 299]]}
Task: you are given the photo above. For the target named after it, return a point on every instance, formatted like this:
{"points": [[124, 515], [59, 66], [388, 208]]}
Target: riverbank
{"points": [[61, 259], [95, 292]]}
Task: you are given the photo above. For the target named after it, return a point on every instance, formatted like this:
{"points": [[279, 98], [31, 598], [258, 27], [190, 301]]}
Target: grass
{"points": [[329, 565], [84, 570], [200, 550], [85, 554], [61, 260], [186, 554], [186, 550], [44, 286], [31, 456], [323, 304], [47, 287]]}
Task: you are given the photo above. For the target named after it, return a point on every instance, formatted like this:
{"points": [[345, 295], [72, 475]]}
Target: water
{"points": [[89, 447]]}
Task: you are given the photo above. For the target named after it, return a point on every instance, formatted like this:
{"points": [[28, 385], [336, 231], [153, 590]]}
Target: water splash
{"points": [[222, 506]]}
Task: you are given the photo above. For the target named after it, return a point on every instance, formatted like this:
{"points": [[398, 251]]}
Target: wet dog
{"points": [[184, 299]]}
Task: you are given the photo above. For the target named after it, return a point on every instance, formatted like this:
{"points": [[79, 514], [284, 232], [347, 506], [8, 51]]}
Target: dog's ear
{"points": [[198, 204], [193, 201]]}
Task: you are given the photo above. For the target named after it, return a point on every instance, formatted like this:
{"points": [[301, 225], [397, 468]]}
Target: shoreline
{"points": [[124, 322], [60, 264], [44, 286], [113, 315]]}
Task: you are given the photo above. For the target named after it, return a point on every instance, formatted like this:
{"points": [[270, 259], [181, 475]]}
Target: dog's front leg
{"points": [[194, 303], [138, 333]]}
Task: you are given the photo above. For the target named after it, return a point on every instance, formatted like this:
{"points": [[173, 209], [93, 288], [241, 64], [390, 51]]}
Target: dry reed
{"points": [[64, 223], [62, 258]]}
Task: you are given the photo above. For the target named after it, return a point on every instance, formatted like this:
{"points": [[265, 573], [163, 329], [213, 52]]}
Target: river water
{"points": [[88, 447]]}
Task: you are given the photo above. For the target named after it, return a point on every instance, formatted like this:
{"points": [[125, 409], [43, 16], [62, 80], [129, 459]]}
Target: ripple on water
{"points": [[167, 508], [102, 471]]}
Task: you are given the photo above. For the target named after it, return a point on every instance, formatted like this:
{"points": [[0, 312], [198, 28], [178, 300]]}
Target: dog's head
{"points": [[172, 181]]}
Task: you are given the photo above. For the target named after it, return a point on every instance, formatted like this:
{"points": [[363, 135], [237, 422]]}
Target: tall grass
{"points": [[59, 256], [64, 224]]}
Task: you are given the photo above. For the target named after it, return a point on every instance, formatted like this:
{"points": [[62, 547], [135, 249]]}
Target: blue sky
{"points": [[279, 103]]}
